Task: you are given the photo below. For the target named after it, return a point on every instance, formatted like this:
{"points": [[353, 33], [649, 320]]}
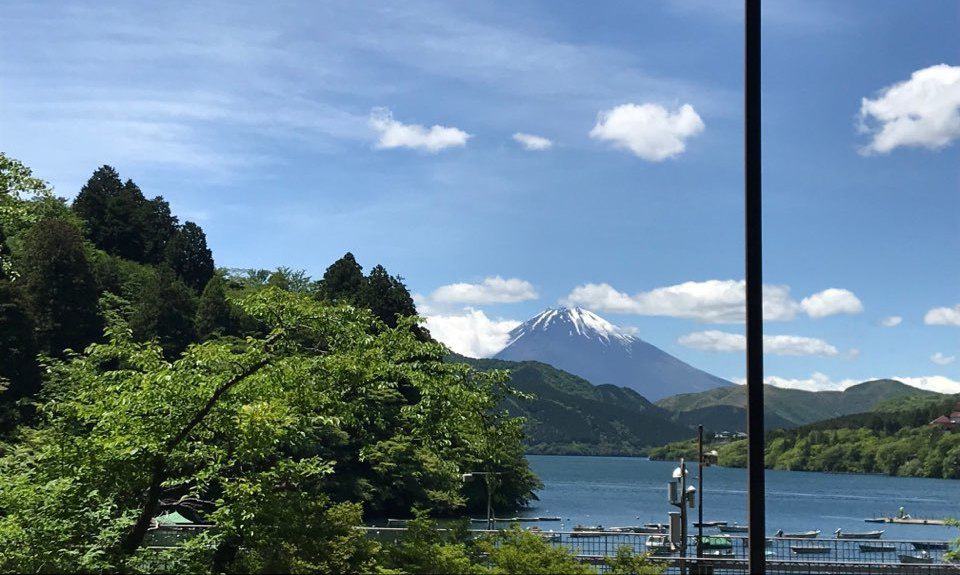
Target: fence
{"points": [[728, 553]]}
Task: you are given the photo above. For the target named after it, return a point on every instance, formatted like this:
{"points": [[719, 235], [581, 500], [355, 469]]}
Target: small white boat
{"points": [[801, 535], [733, 528], [550, 536], [658, 545], [859, 535]]}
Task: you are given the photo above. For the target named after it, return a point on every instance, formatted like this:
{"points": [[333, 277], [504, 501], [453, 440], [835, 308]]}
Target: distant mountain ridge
{"points": [[724, 409], [580, 342], [571, 416]]}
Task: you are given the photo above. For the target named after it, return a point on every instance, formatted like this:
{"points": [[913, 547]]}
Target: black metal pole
{"points": [[754, 280], [700, 491], [683, 517]]}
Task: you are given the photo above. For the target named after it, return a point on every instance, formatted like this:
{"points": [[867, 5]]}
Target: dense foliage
{"points": [[262, 402]]}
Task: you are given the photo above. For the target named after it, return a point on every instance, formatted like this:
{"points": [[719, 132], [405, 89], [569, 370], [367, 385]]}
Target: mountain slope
{"points": [[724, 409], [582, 343], [569, 415]]}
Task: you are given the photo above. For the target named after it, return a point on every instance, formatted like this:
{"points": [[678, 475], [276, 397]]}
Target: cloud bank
{"points": [[923, 112], [821, 382], [471, 333], [650, 131], [491, 290], [711, 301], [795, 345]]}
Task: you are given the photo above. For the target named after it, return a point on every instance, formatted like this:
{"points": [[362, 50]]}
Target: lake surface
{"points": [[616, 491]]}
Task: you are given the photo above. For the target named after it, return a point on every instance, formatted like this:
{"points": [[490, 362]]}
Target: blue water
{"points": [[614, 491]]}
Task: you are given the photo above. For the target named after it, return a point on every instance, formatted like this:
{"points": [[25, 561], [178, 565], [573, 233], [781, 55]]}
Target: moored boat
{"points": [[735, 528], [924, 545], [588, 531], [801, 535], [711, 524], [859, 535], [810, 549], [716, 543], [877, 548], [923, 557], [658, 545]]}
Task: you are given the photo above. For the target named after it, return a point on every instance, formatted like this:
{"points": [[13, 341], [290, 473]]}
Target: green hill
{"points": [[571, 416], [891, 440], [724, 408]]}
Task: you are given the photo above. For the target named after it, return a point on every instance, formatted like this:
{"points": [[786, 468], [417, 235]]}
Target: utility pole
{"points": [[754, 279], [683, 517]]}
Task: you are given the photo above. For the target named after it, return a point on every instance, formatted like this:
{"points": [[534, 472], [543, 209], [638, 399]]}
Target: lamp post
{"points": [[488, 476], [682, 496], [700, 487]]}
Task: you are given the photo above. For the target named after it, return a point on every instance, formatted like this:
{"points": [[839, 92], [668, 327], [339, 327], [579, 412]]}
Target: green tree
{"points": [[59, 287], [214, 314], [386, 296], [189, 257], [19, 372], [165, 310], [343, 281], [258, 436], [160, 225]]}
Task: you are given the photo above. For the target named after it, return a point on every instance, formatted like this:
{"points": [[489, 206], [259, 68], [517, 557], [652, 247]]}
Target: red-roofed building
{"points": [[945, 422]]}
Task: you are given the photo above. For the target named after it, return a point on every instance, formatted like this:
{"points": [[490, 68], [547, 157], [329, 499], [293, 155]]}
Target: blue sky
{"points": [[294, 132]]}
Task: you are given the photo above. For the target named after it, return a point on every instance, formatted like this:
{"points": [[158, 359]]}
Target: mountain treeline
{"points": [[140, 381]]}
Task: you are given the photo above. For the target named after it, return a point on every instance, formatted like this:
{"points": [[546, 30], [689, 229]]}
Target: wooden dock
{"points": [[907, 520]]}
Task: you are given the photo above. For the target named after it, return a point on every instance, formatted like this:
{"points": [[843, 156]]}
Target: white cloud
{"points": [[941, 359], [650, 131], [714, 340], [533, 143], [831, 301], [711, 301], [923, 111], [821, 382], [395, 134], [891, 321], [471, 333], [943, 316], [491, 290]]}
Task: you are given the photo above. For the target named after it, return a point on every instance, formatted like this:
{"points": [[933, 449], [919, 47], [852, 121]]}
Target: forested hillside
{"points": [[894, 439], [567, 415]]}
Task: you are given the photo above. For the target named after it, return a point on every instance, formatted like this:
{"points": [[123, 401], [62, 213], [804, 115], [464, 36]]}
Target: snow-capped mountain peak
{"points": [[576, 321], [585, 344]]}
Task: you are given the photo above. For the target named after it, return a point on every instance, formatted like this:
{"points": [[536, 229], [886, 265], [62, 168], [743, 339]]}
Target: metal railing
{"points": [[729, 553]]}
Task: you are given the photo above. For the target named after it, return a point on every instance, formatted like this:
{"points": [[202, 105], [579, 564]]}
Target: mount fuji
{"points": [[585, 344]]}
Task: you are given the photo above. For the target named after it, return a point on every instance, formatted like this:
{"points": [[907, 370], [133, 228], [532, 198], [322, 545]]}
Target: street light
{"points": [[681, 496], [486, 475]]}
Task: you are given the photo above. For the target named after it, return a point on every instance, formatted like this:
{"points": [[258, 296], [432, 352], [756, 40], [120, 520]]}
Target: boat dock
{"points": [[907, 520]]}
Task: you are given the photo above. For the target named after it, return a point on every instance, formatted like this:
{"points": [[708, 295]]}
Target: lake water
{"points": [[614, 491]]}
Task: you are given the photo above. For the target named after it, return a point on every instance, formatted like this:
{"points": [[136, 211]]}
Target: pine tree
{"points": [[92, 205], [121, 221], [59, 287], [214, 313], [166, 311], [159, 227], [343, 281], [189, 257], [386, 296]]}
